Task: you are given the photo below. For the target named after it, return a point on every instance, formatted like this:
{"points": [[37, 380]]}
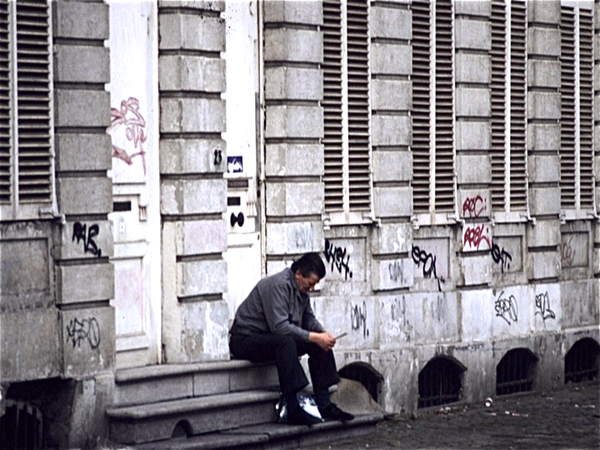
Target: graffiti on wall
{"points": [[506, 308], [474, 207], [339, 258], [396, 271], [86, 234], [429, 264], [399, 311], [542, 304], [358, 318], [129, 116], [475, 236], [79, 331], [501, 256], [567, 252]]}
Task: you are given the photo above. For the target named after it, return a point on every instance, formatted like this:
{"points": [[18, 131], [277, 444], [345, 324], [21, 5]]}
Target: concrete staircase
{"points": [[216, 405]]}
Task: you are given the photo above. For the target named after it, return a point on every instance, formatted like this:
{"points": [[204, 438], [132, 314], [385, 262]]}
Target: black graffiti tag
{"points": [[507, 308], [428, 260], [81, 232], [338, 258], [358, 317], [501, 257], [86, 329], [396, 270], [542, 303]]}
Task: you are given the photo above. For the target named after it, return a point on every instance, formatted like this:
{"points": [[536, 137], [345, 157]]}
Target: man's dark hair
{"points": [[310, 263]]}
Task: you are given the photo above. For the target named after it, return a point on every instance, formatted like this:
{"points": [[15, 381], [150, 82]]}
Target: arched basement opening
{"points": [[366, 375], [182, 430], [21, 426], [440, 382], [582, 361], [516, 372]]}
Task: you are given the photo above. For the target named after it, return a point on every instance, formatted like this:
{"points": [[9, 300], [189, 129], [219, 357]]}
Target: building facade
{"points": [[442, 156]]}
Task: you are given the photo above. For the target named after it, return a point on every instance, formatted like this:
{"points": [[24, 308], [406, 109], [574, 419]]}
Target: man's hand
{"points": [[323, 339]]}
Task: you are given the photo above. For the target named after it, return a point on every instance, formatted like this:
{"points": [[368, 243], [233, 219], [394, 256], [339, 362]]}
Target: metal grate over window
{"points": [[21, 427], [365, 375], [582, 362], [440, 382], [516, 372]]}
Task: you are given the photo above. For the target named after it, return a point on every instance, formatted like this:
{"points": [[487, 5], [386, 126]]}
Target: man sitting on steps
{"points": [[276, 323]]}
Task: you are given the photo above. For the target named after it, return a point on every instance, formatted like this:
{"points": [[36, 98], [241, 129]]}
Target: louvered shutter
{"points": [[33, 102], [498, 122], [567, 105], [332, 105], [444, 107], [586, 105], [518, 105], [5, 102], [421, 91]]}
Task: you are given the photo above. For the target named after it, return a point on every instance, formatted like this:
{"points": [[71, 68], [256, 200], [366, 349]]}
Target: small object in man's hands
{"points": [[341, 336]]}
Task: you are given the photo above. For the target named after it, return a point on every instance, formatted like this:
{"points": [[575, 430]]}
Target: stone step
{"points": [[192, 416], [273, 436], [165, 382]]}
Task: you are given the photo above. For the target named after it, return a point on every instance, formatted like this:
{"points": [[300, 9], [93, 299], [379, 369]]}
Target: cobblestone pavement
{"points": [[565, 419]]}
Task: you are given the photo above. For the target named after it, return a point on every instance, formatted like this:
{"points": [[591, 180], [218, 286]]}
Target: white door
{"points": [[243, 240], [135, 175]]}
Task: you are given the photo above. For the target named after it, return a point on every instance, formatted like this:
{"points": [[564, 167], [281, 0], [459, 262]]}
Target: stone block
{"points": [[507, 254], [543, 265], [391, 59], [476, 237], [294, 121], [474, 203], [88, 340], [511, 311], [83, 151], [473, 67], [294, 237], [473, 169], [545, 233], [391, 238], [345, 260], [390, 130], [393, 201], [79, 63], [575, 250], [544, 200], [544, 168], [89, 195], [543, 73], [299, 12], [390, 274], [81, 20], [543, 105], [546, 303], [597, 169], [201, 278], [81, 108], [193, 196], [392, 165], [473, 135], [294, 45], [391, 95], [544, 11], [435, 317], [209, 5], [191, 32], [200, 237], [473, 102], [294, 160], [294, 199], [183, 156], [186, 115], [471, 8], [477, 315], [472, 34], [203, 333], [86, 239], [159, 389], [293, 83], [191, 73], [543, 136], [390, 23], [476, 269], [85, 283], [30, 342], [543, 41]]}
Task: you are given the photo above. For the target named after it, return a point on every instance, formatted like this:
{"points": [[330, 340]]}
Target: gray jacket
{"points": [[277, 306]]}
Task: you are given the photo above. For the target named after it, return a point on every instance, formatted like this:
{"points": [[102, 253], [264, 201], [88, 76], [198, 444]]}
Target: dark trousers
{"points": [[285, 351]]}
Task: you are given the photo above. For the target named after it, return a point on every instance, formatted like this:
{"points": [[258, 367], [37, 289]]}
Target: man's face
{"points": [[306, 284]]}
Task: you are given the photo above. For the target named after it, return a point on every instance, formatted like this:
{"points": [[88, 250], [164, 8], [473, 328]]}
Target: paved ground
{"points": [[566, 419]]}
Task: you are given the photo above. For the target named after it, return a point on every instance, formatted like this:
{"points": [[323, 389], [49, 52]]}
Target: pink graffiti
{"points": [[475, 235], [472, 207], [134, 130]]}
